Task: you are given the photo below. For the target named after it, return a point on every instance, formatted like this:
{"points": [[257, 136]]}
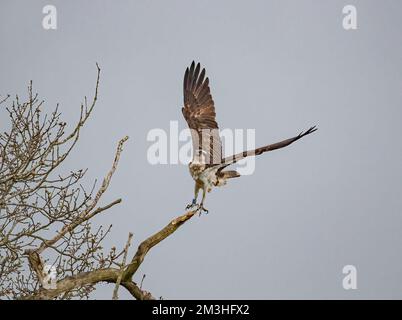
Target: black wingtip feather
{"points": [[310, 130]]}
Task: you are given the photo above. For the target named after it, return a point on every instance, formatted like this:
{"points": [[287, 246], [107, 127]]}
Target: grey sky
{"points": [[279, 67]]}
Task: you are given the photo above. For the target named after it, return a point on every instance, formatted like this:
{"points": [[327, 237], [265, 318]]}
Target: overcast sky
{"points": [[330, 200]]}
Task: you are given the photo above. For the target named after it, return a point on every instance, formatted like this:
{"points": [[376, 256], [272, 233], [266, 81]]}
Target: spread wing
{"points": [[199, 112], [233, 159]]}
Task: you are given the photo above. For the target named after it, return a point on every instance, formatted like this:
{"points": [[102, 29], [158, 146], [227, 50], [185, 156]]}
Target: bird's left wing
{"points": [[237, 157]]}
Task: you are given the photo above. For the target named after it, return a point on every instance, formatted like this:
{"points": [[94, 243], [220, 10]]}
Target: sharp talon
{"points": [[201, 209], [192, 204]]}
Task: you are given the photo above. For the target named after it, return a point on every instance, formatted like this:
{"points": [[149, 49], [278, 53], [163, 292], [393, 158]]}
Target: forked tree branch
{"points": [[152, 241], [111, 275]]}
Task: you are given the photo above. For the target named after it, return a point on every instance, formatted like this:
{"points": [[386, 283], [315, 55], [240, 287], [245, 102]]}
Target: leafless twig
{"points": [[116, 289]]}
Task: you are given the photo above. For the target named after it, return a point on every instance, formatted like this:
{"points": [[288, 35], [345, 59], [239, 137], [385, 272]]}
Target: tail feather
{"points": [[229, 174]]}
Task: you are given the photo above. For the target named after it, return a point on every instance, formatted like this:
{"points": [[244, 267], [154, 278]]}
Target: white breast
{"points": [[208, 178]]}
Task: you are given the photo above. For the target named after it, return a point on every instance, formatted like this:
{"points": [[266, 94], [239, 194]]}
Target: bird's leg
{"points": [[201, 206], [194, 202]]}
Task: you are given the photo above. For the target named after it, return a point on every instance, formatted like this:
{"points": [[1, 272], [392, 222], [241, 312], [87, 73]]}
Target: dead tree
{"points": [[45, 214]]}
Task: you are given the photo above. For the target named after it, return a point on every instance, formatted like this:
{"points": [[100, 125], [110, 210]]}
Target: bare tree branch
{"points": [[87, 214], [116, 289], [112, 274], [46, 215], [153, 240]]}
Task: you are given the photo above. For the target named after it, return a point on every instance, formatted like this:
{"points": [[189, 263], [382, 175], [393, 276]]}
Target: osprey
{"points": [[207, 166]]}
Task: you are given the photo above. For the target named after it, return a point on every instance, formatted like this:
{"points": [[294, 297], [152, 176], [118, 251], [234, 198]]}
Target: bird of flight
{"points": [[208, 166]]}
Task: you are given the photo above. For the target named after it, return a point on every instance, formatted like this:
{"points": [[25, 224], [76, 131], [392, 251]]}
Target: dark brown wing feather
{"points": [[237, 157], [199, 112]]}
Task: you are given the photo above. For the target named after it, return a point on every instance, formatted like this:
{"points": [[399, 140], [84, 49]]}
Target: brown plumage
{"points": [[207, 165], [199, 112]]}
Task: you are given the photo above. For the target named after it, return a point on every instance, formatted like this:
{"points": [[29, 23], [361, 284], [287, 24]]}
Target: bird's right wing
{"points": [[199, 112]]}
